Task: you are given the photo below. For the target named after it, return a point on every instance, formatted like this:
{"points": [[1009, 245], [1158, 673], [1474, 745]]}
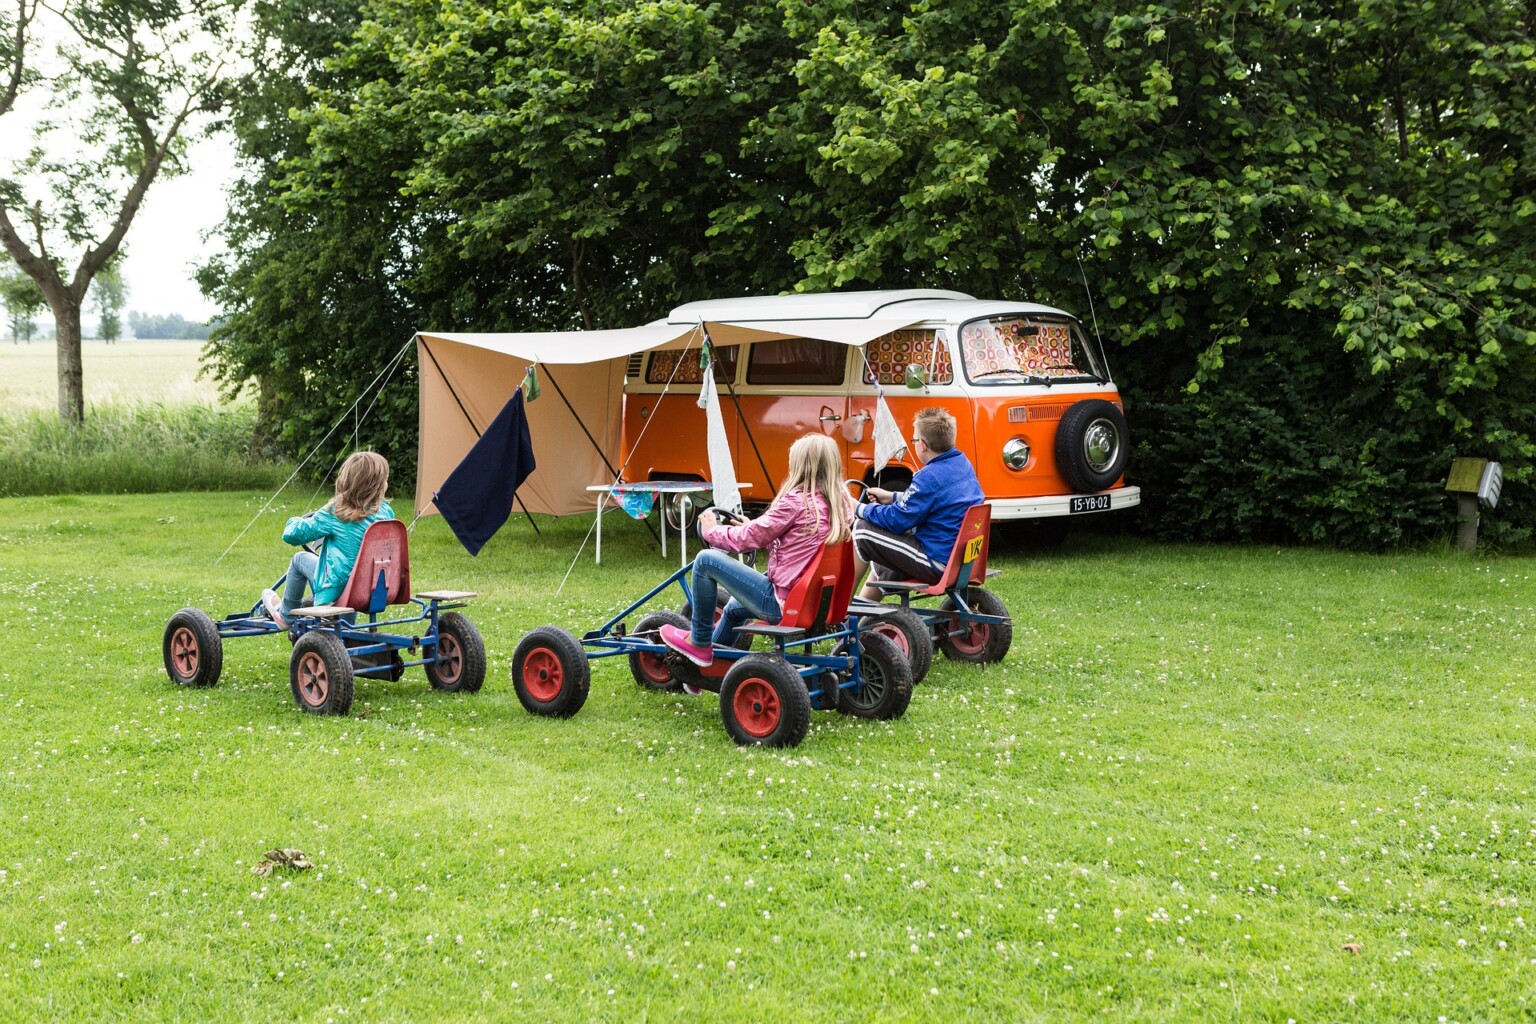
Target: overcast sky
{"points": [[166, 241]]}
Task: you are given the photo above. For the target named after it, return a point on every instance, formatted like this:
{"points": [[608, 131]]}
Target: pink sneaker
{"points": [[274, 606], [682, 643]]}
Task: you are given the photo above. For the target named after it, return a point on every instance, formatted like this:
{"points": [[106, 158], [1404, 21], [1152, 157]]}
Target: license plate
{"points": [[1090, 503]]}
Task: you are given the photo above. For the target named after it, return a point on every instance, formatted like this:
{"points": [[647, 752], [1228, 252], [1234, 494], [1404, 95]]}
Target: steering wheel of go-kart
{"points": [[863, 496], [725, 516]]}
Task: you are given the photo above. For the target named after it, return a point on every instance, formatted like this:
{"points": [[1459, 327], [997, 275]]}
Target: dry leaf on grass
{"points": [[281, 858]]}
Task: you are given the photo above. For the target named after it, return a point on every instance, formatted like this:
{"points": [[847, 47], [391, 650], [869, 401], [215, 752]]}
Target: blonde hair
{"points": [[360, 486], [816, 466]]}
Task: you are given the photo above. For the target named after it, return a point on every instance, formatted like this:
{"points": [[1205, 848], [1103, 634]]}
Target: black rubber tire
{"points": [[652, 671], [885, 676], [1092, 444], [907, 630], [721, 600], [320, 674], [983, 642], [550, 672], [461, 653], [192, 649], [764, 702]]}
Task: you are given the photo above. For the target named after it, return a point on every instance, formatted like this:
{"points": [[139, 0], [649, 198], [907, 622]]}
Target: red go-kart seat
{"points": [[381, 575]]}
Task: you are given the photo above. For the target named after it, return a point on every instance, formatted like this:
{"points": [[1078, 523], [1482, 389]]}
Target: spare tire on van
{"points": [[1091, 442]]}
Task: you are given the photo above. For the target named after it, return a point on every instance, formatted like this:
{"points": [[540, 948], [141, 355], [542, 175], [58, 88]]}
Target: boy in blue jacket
{"points": [[907, 535]]}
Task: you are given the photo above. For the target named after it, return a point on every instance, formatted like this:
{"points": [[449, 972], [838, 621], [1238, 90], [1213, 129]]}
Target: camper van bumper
{"points": [[1064, 504]]}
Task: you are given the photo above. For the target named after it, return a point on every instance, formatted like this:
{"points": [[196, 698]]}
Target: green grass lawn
{"points": [[1207, 783]]}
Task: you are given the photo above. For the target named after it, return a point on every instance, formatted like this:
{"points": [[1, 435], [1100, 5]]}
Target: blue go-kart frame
{"points": [[766, 696], [331, 648]]}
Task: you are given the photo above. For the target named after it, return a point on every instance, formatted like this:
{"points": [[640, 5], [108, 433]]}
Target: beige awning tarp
{"points": [[465, 379]]}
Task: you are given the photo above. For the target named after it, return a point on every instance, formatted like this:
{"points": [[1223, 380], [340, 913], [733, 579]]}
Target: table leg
{"points": [[600, 499]]}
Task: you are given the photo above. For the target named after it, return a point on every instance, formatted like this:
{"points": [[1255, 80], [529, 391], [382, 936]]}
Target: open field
{"points": [[1207, 783], [120, 373]]}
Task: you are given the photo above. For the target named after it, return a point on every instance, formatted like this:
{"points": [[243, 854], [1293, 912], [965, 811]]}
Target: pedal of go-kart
{"points": [[447, 595]]}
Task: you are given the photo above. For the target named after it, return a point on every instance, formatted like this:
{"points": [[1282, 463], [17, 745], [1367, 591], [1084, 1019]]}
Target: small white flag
{"points": [[888, 437], [722, 472]]}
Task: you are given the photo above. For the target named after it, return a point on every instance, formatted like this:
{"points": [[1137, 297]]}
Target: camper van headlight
{"points": [[1016, 453]]}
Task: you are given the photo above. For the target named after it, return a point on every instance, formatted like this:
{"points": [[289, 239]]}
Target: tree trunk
{"points": [[66, 318]]}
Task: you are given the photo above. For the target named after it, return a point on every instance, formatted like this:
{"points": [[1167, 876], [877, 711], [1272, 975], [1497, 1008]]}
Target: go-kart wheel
{"points": [[885, 679], [460, 664], [651, 670], [907, 630], [550, 672], [975, 642], [764, 702], [320, 674], [192, 648], [721, 600]]}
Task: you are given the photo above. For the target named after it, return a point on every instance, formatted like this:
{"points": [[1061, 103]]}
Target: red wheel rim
{"points": [[653, 668], [314, 680], [185, 654], [896, 636], [543, 675], [757, 709], [450, 659], [973, 640]]}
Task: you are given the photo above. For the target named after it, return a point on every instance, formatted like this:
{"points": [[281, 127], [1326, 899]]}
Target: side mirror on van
{"points": [[917, 376]]}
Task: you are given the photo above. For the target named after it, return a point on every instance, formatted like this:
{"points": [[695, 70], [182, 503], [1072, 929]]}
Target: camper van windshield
{"points": [[1019, 349]]}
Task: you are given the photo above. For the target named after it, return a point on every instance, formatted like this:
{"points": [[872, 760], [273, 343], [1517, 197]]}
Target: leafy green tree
{"points": [[125, 81], [110, 294], [23, 300], [1307, 228]]}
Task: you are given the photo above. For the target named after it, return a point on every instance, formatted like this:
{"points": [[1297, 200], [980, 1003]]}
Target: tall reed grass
{"points": [[136, 447]]}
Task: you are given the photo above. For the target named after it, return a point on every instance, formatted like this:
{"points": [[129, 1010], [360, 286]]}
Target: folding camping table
{"points": [[674, 490]]}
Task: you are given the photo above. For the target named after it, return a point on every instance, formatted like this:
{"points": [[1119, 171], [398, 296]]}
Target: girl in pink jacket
{"points": [[810, 512]]}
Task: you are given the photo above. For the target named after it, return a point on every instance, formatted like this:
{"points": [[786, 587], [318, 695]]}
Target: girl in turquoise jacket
{"points": [[339, 526]]}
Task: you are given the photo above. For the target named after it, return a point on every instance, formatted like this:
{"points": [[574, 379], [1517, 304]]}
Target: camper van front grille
{"points": [[632, 370], [1036, 413]]}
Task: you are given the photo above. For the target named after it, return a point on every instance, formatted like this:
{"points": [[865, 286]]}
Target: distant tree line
{"points": [[1308, 229], [170, 326]]}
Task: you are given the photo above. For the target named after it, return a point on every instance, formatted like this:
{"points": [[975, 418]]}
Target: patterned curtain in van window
{"points": [[1042, 349], [889, 355]]}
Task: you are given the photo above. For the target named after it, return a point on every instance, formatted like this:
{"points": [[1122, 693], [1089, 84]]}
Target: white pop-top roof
{"points": [[909, 304]]}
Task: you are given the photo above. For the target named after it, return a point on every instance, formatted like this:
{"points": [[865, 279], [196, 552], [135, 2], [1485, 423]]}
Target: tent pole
{"points": [[592, 440], [471, 421]]}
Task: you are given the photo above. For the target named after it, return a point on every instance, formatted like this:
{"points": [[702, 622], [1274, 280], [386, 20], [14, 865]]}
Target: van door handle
{"points": [[833, 418]]}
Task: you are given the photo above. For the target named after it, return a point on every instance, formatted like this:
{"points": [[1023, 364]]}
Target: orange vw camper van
{"points": [[1038, 414]]}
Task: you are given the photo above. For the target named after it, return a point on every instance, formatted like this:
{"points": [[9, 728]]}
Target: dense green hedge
{"points": [[1309, 227]]}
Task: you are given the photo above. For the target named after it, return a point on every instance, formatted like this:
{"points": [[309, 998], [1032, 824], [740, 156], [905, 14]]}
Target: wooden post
{"points": [[1462, 482], [1466, 522]]}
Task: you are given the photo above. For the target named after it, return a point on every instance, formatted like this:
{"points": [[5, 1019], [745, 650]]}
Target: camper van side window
{"points": [[797, 361], [664, 369], [888, 356]]}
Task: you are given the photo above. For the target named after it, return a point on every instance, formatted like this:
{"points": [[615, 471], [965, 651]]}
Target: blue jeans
{"points": [[302, 570], [752, 597]]}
